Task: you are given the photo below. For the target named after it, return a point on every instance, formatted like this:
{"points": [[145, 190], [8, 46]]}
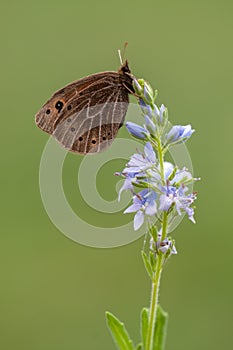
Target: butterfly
{"points": [[85, 116]]}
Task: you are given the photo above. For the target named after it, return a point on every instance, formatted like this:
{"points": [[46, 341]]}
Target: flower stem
{"points": [[160, 156], [155, 292], [164, 226], [154, 304], [159, 265]]}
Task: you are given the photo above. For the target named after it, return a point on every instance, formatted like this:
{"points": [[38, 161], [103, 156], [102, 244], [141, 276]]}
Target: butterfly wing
{"points": [[86, 115]]}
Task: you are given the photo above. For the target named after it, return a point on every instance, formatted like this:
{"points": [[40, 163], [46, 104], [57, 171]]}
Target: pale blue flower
{"points": [[155, 175], [179, 133], [164, 245], [182, 176], [167, 244], [175, 190], [137, 165], [177, 196], [143, 169], [144, 203], [142, 161], [127, 185]]}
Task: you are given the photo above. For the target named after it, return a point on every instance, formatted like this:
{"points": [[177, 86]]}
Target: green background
{"points": [[54, 292]]}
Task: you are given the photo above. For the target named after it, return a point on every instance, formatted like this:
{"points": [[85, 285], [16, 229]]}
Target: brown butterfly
{"points": [[86, 115]]}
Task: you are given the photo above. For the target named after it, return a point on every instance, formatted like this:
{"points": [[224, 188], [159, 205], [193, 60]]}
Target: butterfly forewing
{"points": [[86, 115]]}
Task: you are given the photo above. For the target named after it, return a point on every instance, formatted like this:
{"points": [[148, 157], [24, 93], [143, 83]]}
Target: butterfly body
{"points": [[86, 115]]}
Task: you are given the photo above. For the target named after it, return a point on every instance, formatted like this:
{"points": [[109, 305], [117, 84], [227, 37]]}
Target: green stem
{"points": [[160, 155], [154, 304], [159, 264], [164, 227], [155, 292]]}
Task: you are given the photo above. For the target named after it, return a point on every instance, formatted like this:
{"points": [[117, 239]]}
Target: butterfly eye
{"points": [[80, 138], [93, 141], [59, 105]]}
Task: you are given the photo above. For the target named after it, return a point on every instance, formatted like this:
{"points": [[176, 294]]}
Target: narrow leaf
{"points": [[154, 232], [160, 329], [142, 184], [119, 333], [152, 261], [144, 325], [172, 175], [147, 265], [139, 347]]}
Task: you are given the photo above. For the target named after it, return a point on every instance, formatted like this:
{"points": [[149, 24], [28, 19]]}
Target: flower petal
{"points": [[165, 202], [173, 251], [178, 205], [179, 133], [168, 169], [164, 246], [182, 176], [136, 160], [138, 220], [149, 152], [187, 131], [151, 209], [127, 185], [132, 208], [190, 212]]}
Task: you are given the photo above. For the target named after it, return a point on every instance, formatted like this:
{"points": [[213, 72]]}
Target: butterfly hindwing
{"points": [[85, 115]]}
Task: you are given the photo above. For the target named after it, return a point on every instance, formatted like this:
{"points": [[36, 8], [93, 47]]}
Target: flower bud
{"points": [[148, 93], [161, 114], [179, 133], [137, 130], [149, 124], [137, 87]]}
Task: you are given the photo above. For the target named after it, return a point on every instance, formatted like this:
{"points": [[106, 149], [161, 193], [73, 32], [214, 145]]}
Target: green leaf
{"points": [[119, 333], [140, 185], [154, 232], [139, 347], [155, 94], [147, 264], [172, 175], [143, 184], [144, 325], [160, 329], [152, 261]]}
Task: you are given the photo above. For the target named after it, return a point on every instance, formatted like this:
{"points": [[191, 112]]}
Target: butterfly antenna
{"points": [[119, 53], [124, 50], [122, 58]]}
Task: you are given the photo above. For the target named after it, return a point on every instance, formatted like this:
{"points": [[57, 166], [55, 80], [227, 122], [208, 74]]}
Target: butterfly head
{"points": [[124, 68]]}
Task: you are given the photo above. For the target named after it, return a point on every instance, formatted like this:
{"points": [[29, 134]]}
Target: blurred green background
{"points": [[54, 292]]}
